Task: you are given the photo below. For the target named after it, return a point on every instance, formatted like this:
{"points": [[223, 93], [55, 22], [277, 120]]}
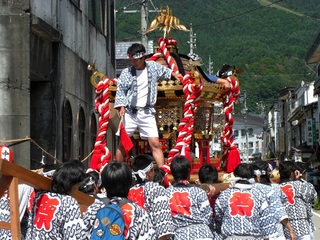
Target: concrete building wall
{"points": [[46, 46], [14, 77], [77, 32]]}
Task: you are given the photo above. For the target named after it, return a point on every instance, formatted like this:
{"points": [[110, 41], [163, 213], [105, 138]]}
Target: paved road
{"points": [[316, 221]]}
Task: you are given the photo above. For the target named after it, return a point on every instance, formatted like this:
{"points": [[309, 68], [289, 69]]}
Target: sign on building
{"points": [[311, 132]]}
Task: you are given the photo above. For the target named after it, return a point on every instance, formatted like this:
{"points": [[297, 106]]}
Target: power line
{"points": [[239, 14], [263, 23]]}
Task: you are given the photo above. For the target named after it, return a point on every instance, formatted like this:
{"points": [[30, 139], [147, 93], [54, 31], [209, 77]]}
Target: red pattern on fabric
{"points": [[137, 195], [180, 204], [241, 204], [128, 213], [46, 209], [31, 198], [288, 190]]}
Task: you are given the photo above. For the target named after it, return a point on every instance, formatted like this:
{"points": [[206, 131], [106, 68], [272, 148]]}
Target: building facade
{"points": [[248, 130], [292, 130], [48, 102]]}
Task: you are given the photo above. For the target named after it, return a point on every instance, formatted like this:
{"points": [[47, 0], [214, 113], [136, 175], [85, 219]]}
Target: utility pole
{"points": [[193, 39], [246, 126], [144, 11], [210, 68], [144, 23]]}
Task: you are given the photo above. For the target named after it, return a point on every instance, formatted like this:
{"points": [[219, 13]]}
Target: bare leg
{"points": [[156, 150], [120, 153]]}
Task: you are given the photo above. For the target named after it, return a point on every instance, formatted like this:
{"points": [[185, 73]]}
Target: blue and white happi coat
{"points": [[239, 210], [126, 86], [298, 197], [152, 197], [275, 213], [55, 216], [191, 212]]}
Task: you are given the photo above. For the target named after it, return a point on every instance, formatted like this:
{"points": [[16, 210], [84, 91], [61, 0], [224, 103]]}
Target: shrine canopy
{"points": [[185, 107]]}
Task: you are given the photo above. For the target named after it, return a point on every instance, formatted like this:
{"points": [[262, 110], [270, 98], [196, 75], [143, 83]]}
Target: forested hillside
{"points": [[267, 39]]}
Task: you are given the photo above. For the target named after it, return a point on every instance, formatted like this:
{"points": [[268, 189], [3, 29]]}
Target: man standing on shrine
{"points": [[136, 97]]}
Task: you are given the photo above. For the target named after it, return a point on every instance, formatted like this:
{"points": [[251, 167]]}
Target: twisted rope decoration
{"points": [[192, 93], [163, 42], [101, 154], [227, 137]]}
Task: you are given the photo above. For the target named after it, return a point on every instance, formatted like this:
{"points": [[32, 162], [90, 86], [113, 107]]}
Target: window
{"points": [[82, 134], [67, 131], [93, 130], [243, 133], [236, 133], [250, 132], [96, 13]]}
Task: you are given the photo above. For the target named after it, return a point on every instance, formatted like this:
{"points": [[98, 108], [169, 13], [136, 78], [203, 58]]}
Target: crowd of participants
{"points": [[250, 207]]}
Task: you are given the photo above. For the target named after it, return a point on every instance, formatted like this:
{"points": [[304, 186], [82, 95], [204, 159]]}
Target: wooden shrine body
{"points": [[169, 111]]}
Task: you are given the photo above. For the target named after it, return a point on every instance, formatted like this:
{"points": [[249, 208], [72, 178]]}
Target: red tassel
{"points": [[166, 181], [125, 139], [233, 160], [98, 152]]}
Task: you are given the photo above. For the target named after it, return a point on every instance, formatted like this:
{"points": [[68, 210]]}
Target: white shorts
{"points": [[145, 122]]}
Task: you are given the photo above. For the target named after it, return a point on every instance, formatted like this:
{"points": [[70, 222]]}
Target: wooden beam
{"points": [[11, 175]]}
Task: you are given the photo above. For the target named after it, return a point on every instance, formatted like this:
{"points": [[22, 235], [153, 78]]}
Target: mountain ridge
{"points": [[267, 39]]}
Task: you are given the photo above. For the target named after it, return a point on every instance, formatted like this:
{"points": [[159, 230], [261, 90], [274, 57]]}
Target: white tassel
{"points": [[196, 151], [43, 159]]}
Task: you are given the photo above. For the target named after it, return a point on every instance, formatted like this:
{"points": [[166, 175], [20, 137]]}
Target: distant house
{"points": [[291, 124], [247, 130], [312, 59]]}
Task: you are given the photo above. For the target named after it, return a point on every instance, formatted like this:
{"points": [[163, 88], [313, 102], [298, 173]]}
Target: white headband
{"points": [[136, 55], [235, 179], [259, 172], [142, 172]]}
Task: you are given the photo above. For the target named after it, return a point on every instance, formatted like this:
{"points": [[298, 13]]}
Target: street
{"points": [[316, 221]]}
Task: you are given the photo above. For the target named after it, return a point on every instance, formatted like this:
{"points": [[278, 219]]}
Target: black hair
{"points": [[135, 48], [225, 71], [286, 169], [159, 175], [116, 179], [208, 173], [263, 167], [87, 185], [140, 162], [244, 170], [301, 167], [66, 176], [180, 168]]}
